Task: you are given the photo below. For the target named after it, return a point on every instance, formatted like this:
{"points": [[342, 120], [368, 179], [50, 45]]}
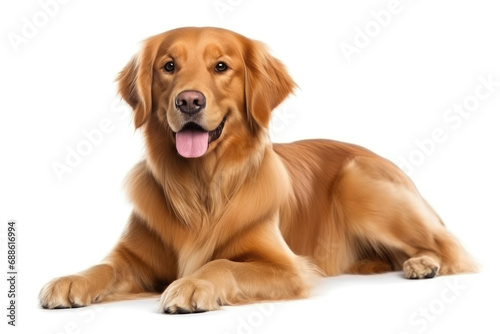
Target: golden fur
{"points": [[249, 220]]}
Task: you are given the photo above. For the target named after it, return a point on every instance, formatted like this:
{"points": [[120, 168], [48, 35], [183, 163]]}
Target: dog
{"points": [[221, 216]]}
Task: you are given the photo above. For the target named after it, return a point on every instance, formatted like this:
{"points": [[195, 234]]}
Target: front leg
{"points": [[116, 278], [81, 289], [131, 268], [265, 270]]}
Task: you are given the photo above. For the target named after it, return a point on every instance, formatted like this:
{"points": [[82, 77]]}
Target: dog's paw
{"points": [[66, 292], [189, 295], [420, 267]]}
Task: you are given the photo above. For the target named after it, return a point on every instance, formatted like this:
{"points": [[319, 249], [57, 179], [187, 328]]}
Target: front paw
{"points": [[190, 295], [66, 292]]}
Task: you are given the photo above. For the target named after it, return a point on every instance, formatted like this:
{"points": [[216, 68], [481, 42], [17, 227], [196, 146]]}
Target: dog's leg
{"points": [[263, 269], [82, 289], [367, 266], [382, 209], [121, 275]]}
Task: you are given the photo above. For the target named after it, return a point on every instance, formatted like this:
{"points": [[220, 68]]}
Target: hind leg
{"points": [[423, 266], [368, 266], [388, 217]]}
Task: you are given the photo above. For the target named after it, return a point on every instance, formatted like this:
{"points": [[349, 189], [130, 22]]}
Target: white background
{"points": [[392, 93]]}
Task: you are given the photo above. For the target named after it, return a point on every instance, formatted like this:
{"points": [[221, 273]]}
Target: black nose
{"points": [[190, 102]]}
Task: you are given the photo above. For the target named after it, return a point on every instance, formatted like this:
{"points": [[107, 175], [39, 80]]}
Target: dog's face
{"points": [[205, 86]]}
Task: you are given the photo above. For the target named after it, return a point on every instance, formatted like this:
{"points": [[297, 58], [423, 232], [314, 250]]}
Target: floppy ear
{"points": [[135, 81], [267, 84]]}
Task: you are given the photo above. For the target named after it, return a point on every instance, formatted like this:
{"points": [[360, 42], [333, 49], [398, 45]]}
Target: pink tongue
{"points": [[191, 144]]}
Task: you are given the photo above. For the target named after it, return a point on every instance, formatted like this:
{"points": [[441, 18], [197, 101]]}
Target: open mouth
{"points": [[192, 140]]}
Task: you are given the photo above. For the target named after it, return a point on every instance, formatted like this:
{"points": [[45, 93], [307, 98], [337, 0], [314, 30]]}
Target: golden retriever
{"points": [[222, 216]]}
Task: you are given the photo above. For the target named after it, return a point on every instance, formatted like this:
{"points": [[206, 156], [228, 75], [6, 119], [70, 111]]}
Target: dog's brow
{"points": [[213, 51], [174, 51]]}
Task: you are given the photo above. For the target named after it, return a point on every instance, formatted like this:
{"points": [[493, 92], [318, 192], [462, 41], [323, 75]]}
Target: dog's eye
{"points": [[169, 66], [220, 67]]}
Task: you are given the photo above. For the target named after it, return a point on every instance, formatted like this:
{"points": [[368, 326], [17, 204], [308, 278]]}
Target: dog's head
{"points": [[204, 86]]}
